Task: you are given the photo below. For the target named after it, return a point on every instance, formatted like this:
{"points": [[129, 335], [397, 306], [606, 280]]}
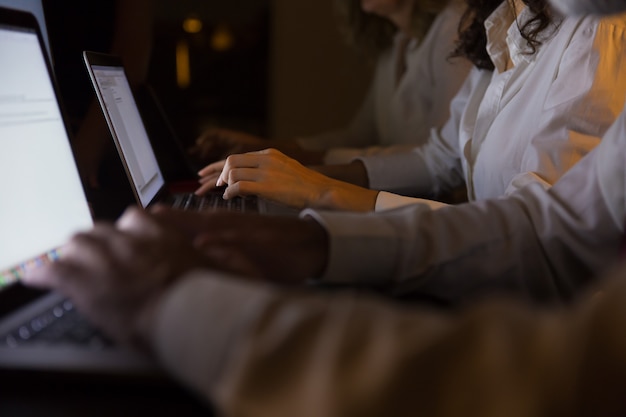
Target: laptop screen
{"points": [[129, 132], [36, 8], [43, 202]]}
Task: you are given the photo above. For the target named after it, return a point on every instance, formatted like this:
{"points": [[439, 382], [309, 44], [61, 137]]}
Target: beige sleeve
{"points": [[256, 351]]}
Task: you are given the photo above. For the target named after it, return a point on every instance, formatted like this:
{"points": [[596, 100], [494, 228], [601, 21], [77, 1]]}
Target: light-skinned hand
{"points": [[272, 175], [279, 249], [115, 273]]}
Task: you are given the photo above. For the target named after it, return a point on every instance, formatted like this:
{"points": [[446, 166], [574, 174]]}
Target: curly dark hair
{"points": [[472, 42]]}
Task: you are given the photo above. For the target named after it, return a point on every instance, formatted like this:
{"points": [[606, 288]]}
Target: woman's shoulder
{"points": [[588, 22]]}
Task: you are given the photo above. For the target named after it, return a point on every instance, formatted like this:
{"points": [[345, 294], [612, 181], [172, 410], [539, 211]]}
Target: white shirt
{"points": [[542, 244], [401, 112], [528, 123]]}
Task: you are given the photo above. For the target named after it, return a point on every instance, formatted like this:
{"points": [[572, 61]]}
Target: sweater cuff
{"points": [[197, 322], [402, 173], [362, 248], [388, 201]]}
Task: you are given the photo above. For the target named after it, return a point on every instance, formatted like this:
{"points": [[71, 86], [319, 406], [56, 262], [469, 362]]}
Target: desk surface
{"points": [[52, 396]]}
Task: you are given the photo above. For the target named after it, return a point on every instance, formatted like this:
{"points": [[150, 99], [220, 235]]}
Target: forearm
{"points": [[215, 310], [344, 188], [541, 245], [342, 196], [351, 355]]}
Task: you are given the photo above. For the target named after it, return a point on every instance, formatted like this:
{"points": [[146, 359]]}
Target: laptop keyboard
{"points": [[213, 202], [59, 324]]}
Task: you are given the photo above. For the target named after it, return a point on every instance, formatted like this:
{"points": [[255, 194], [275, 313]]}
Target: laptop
{"points": [[36, 8], [137, 154], [43, 205]]}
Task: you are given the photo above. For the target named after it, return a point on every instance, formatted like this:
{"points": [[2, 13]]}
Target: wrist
{"points": [[347, 197]]}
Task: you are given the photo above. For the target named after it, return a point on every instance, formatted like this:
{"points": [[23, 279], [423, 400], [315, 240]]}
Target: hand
{"points": [[115, 275], [215, 144], [269, 174], [279, 249], [274, 176]]}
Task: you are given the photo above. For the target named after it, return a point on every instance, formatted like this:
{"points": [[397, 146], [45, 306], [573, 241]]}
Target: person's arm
{"points": [[256, 349], [274, 176], [545, 244], [541, 244], [433, 167], [425, 170], [252, 350], [407, 111]]}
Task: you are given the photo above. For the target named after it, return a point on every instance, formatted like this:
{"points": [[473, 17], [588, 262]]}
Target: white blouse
{"points": [[401, 112], [530, 120], [541, 244]]}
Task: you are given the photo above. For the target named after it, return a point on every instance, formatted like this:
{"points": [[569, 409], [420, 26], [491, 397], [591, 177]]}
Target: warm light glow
{"points": [[183, 71], [192, 25], [222, 39]]}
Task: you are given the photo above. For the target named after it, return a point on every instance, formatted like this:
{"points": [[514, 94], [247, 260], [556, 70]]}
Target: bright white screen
{"points": [[130, 132], [36, 8], [42, 202]]}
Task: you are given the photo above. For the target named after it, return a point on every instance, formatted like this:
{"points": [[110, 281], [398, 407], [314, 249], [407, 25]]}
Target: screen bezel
{"points": [[16, 294], [97, 59]]}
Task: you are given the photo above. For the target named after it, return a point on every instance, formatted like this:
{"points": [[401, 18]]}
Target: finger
{"points": [[246, 188], [159, 208], [136, 222], [247, 160], [65, 276], [91, 247], [48, 276], [215, 167], [221, 179], [209, 178], [249, 174], [265, 191], [205, 188], [237, 175], [207, 183], [98, 249]]}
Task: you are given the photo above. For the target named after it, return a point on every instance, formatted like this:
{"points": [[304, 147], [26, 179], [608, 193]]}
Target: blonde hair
{"points": [[373, 34]]}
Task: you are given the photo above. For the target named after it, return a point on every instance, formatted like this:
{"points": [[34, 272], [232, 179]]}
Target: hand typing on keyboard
{"points": [[115, 274]]}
